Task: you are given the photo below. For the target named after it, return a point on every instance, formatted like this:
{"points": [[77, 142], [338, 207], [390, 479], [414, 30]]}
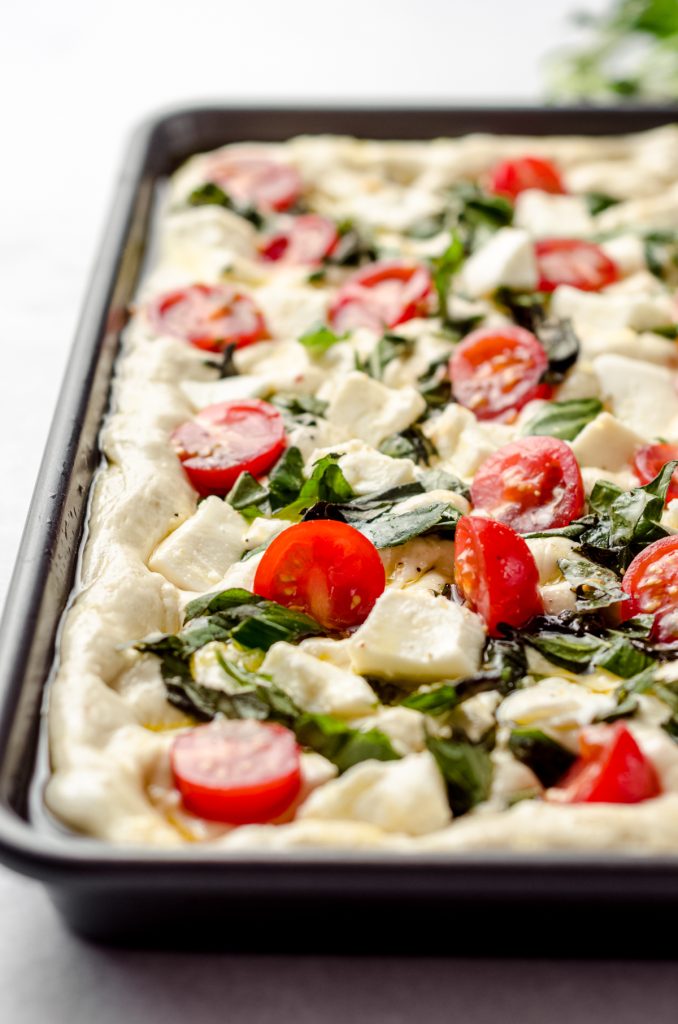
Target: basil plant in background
{"points": [[628, 53]]}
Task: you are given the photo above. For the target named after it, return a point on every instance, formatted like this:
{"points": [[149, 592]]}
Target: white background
{"points": [[74, 79]]}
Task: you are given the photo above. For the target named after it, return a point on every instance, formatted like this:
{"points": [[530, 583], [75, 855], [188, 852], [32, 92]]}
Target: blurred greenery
{"points": [[629, 53]]}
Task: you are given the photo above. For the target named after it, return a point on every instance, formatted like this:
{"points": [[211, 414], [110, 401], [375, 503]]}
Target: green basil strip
{"points": [[319, 339], [467, 770], [255, 696], [564, 420], [548, 760], [594, 585]]}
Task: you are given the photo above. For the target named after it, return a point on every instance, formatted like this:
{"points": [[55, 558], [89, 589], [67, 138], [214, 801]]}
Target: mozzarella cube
{"points": [[558, 598], [318, 686], [403, 726], [607, 443], [201, 393], [431, 498], [417, 638], [627, 251], [642, 395], [607, 311], [554, 703], [200, 551], [552, 216], [407, 563], [507, 259], [547, 551], [366, 409], [367, 470], [283, 365], [405, 796]]}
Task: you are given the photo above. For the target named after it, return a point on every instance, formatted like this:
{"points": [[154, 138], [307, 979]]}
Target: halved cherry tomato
{"points": [[511, 177], [381, 295], [237, 772], [612, 769], [649, 460], [227, 439], [308, 239], [495, 371], [495, 571], [210, 316], [252, 180], [570, 261], [651, 580], [531, 484], [323, 568]]}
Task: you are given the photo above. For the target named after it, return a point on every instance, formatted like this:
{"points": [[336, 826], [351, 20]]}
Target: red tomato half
{"points": [[612, 769], [531, 484], [495, 371], [382, 295], [582, 265], [495, 571], [237, 771], [323, 568], [308, 240], [209, 316], [511, 177], [651, 580], [227, 439], [649, 461], [255, 181]]}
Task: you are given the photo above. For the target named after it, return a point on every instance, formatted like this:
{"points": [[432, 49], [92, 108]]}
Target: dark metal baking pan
{"points": [[375, 901]]}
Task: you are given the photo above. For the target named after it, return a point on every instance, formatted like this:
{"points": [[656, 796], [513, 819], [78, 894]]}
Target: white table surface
{"points": [[74, 78]]}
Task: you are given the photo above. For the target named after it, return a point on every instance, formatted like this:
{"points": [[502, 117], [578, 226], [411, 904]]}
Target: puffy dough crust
{"points": [[110, 769]]}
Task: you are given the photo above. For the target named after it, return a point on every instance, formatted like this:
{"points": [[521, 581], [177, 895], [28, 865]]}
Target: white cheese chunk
{"points": [[607, 443], [553, 702], [407, 563], [284, 365], [318, 686], [547, 551], [398, 796], [552, 216], [416, 637], [200, 551], [403, 726], [558, 597], [431, 498], [507, 259], [366, 409], [605, 311], [367, 470], [627, 251], [643, 396], [201, 393]]}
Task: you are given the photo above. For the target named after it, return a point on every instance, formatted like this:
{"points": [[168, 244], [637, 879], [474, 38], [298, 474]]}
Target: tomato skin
{"points": [[253, 180], [309, 239], [326, 569], [237, 772], [531, 484], [612, 769], [210, 317], [495, 371], [574, 262], [227, 439], [382, 295], [511, 177], [496, 573], [649, 460], [651, 581]]}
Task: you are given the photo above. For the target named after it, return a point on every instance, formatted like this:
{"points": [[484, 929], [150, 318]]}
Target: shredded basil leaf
{"points": [[548, 760], [594, 585], [467, 771], [564, 419], [435, 385], [661, 254], [319, 339], [599, 201], [410, 444], [210, 194], [388, 348], [444, 268]]}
